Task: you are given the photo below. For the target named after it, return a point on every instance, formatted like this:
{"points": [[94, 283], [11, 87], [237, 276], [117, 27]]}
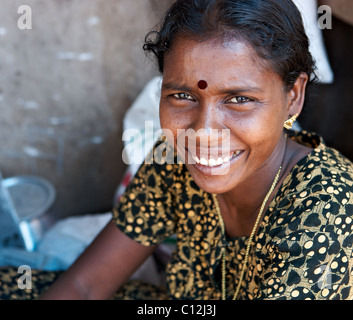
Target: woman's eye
{"points": [[182, 96], [240, 99]]}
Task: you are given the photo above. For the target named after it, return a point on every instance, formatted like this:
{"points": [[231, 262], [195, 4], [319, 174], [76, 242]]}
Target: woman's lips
{"points": [[214, 161]]}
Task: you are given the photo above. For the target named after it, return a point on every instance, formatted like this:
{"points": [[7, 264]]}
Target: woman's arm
{"points": [[102, 268]]}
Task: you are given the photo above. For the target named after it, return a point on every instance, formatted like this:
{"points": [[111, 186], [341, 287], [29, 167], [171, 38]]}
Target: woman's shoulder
{"points": [[322, 164], [307, 238], [317, 195]]}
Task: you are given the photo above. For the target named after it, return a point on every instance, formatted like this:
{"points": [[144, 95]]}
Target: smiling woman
{"points": [[269, 219], [254, 64], [244, 96]]}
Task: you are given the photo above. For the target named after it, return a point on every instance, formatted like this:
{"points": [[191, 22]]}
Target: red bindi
{"points": [[202, 84]]}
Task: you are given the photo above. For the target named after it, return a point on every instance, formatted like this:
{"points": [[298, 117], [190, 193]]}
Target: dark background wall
{"points": [[329, 109]]}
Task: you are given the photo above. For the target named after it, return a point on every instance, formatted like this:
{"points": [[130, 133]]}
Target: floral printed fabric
{"points": [[303, 248]]}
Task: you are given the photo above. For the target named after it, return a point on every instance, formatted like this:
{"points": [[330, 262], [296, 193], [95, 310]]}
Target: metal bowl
{"points": [[32, 196], [28, 199]]}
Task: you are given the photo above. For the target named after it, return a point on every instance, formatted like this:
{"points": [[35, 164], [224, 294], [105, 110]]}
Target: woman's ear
{"points": [[296, 95]]}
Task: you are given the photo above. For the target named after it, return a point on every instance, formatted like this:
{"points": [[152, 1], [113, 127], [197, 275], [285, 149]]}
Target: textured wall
{"points": [[64, 88]]}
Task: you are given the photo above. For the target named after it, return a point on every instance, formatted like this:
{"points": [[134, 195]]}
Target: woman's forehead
{"points": [[214, 61]]}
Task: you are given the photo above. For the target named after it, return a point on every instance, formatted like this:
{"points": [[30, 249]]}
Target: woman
{"points": [[269, 219]]}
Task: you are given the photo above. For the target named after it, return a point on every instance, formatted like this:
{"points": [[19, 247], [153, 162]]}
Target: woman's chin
{"points": [[210, 183]]}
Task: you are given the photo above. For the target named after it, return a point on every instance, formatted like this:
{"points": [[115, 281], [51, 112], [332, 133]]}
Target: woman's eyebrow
{"points": [[174, 86], [223, 90], [241, 89]]}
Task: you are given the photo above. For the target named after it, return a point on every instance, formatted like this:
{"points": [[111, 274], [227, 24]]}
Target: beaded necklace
{"points": [[248, 247]]}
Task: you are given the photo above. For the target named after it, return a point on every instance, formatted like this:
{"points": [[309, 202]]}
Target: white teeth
{"points": [[219, 161], [204, 162], [213, 162]]}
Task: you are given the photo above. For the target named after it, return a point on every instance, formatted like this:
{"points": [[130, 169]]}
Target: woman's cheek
{"points": [[168, 125]]}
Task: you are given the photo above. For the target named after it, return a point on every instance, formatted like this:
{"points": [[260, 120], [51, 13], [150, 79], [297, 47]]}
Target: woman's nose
{"points": [[207, 125], [205, 117]]}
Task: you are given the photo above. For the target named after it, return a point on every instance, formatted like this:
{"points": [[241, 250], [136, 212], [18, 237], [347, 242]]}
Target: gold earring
{"points": [[288, 124]]}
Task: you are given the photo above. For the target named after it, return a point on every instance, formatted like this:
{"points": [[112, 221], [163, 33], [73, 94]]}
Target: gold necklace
{"points": [[245, 260]]}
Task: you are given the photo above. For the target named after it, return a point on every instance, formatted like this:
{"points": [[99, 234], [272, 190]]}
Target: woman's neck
{"points": [[240, 207]]}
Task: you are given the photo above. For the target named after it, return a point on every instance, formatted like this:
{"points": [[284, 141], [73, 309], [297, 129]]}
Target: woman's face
{"points": [[226, 87]]}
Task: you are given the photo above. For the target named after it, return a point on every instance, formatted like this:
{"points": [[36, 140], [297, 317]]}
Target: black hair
{"points": [[274, 28]]}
